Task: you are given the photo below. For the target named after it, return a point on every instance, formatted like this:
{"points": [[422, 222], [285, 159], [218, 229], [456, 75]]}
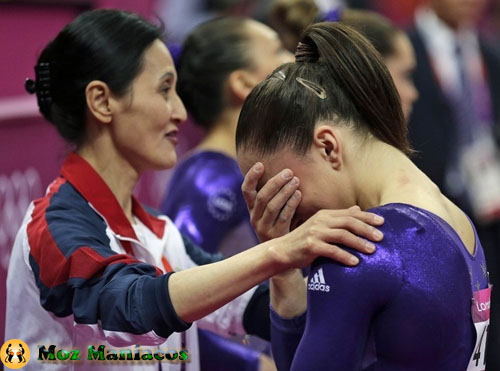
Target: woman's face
{"points": [[267, 51], [146, 124], [401, 65]]}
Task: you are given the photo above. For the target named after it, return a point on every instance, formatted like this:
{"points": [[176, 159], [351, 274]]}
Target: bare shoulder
{"points": [[441, 206]]}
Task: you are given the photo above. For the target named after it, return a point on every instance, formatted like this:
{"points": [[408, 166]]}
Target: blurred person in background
{"points": [[220, 62], [455, 125], [290, 17], [394, 46], [181, 17]]}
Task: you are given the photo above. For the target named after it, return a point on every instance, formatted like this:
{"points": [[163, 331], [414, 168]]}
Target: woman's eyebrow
{"points": [[167, 74]]}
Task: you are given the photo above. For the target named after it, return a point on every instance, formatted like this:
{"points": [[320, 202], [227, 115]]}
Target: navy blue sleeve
{"points": [[285, 338], [78, 274]]}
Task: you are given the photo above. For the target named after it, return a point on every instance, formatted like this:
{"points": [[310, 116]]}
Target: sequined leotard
{"points": [[205, 201], [406, 307]]}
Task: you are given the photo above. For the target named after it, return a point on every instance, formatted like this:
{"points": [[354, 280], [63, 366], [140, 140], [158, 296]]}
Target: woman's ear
{"points": [[97, 94], [240, 83], [326, 140]]}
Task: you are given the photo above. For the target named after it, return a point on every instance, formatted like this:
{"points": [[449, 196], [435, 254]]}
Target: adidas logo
{"points": [[317, 282]]}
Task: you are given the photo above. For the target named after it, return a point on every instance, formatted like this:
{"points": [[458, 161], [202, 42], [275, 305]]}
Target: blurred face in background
{"points": [[266, 52], [401, 65], [459, 13]]}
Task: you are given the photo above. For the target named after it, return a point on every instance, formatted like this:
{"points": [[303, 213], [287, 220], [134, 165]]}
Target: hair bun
{"points": [[306, 52]]}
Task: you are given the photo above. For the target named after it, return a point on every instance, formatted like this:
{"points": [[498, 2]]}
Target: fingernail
{"points": [[353, 260], [377, 234], [369, 247], [378, 219], [294, 181], [286, 174], [257, 167]]}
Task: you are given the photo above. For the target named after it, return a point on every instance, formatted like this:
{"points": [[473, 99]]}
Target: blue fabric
{"points": [[220, 354]]}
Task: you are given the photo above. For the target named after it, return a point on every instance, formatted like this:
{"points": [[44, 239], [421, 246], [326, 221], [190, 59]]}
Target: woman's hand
{"points": [[273, 206]]}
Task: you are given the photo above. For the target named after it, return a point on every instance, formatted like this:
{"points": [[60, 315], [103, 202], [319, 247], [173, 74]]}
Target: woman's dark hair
{"points": [[294, 15], [210, 53], [106, 45], [337, 76], [377, 29]]}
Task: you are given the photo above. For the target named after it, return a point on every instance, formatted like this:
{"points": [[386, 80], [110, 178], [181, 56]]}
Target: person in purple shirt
{"points": [[421, 301]]}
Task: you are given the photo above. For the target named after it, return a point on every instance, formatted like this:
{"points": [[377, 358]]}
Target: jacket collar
{"points": [[92, 187]]}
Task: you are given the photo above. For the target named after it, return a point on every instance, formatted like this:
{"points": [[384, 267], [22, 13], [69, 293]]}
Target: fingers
{"points": [[358, 227], [348, 239], [287, 212], [271, 189], [336, 253], [354, 222], [249, 186], [367, 217], [282, 206]]}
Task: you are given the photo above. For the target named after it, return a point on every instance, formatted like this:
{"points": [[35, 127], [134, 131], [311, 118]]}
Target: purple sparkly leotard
{"points": [[205, 202], [406, 307]]}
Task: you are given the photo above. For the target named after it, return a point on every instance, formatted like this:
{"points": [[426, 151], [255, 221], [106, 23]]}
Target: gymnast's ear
{"points": [[326, 140], [98, 98]]}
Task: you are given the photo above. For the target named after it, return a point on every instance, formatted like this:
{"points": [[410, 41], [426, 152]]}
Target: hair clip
{"points": [[280, 75], [42, 85], [315, 88]]}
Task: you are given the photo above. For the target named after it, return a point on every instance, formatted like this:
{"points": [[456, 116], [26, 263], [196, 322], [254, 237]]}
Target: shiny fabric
{"points": [[205, 201], [406, 307]]}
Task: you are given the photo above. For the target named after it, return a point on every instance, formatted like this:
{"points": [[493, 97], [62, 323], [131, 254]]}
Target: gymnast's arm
{"points": [[271, 210]]}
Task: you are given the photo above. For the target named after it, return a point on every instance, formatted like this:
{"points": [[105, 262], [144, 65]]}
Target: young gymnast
{"points": [[421, 301]]}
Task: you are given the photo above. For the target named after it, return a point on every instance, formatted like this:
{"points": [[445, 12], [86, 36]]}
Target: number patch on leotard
{"points": [[481, 318]]}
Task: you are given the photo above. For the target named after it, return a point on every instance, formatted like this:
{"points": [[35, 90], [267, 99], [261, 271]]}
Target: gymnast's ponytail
{"points": [[337, 76], [359, 70]]}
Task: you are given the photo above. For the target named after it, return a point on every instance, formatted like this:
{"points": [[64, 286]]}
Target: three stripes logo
{"points": [[317, 282]]}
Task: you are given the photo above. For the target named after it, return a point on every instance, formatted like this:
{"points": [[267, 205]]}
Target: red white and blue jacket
{"points": [[80, 273]]}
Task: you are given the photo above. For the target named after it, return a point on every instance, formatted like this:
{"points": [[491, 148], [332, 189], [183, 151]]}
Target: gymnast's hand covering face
{"points": [[272, 208]]}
